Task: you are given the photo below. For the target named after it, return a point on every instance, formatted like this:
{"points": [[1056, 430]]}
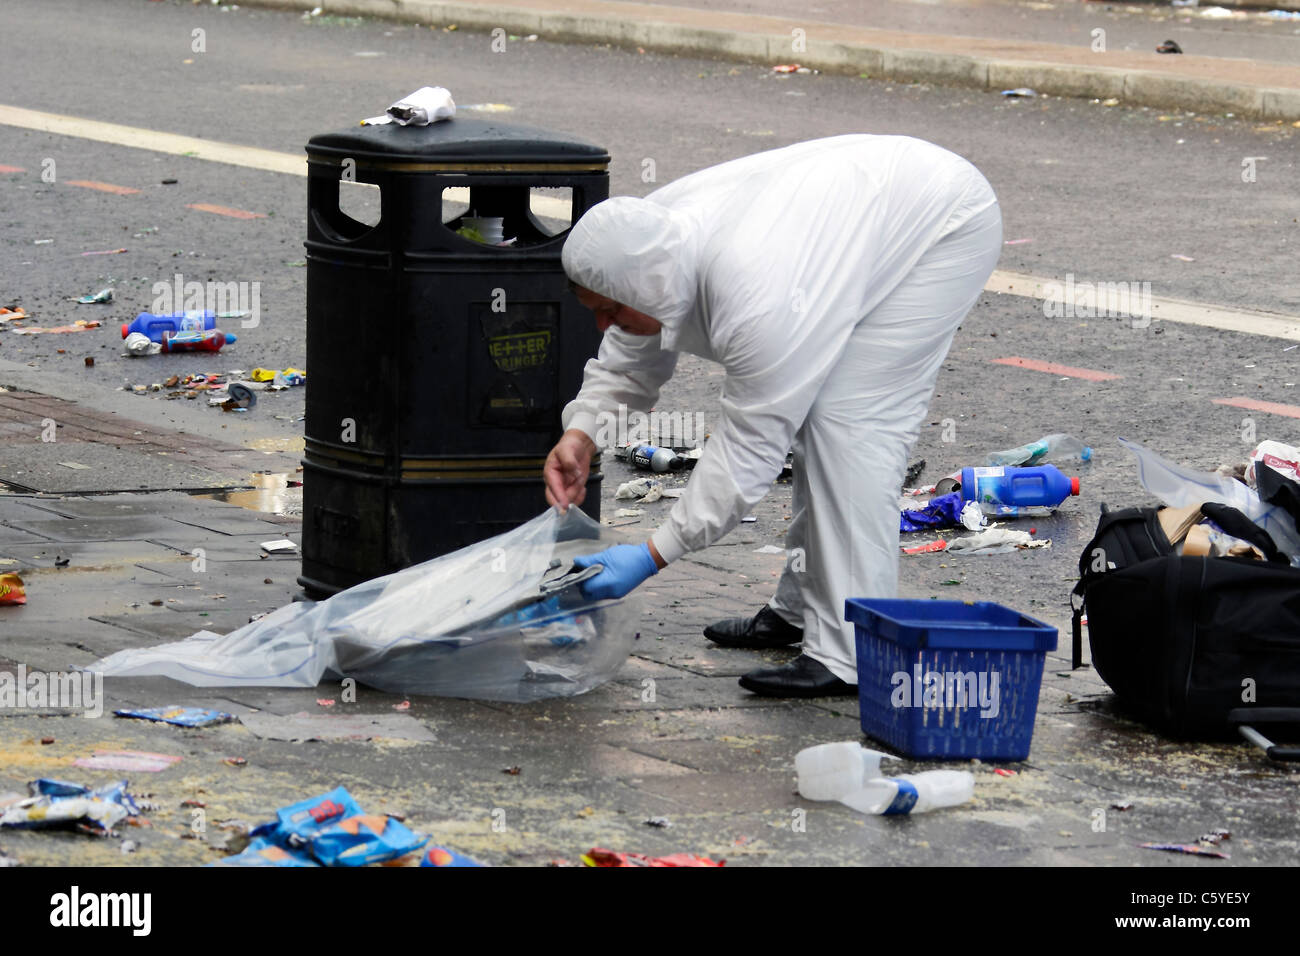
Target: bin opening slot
{"points": [[508, 216], [360, 202]]}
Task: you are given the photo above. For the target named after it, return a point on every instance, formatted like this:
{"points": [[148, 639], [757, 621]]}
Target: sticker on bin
{"points": [[948, 680]]}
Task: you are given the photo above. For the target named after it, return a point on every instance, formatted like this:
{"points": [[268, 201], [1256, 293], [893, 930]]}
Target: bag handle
{"points": [[1266, 715], [1239, 526]]}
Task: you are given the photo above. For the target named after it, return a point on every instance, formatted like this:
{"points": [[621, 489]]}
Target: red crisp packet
{"points": [[11, 589], [598, 857]]}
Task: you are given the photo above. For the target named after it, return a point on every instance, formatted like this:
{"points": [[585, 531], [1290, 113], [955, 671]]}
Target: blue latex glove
{"points": [[626, 566]]}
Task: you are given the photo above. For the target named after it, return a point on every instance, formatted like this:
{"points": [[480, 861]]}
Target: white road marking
{"points": [[1245, 321]]}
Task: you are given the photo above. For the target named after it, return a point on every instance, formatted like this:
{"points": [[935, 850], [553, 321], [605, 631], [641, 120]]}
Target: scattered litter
{"points": [[1192, 849], [944, 511], [104, 252], [138, 344], [662, 823], [489, 108], [131, 761], [278, 380], [235, 761], [329, 830], [90, 361], [81, 325], [637, 488], [279, 546], [1122, 806], [1169, 46], [1001, 772], [55, 803], [996, 541], [939, 544], [1217, 13], [46, 741], [769, 549], [1016, 242], [305, 726], [586, 812], [179, 716], [1283, 14], [12, 590], [786, 68], [1215, 838], [41, 242], [441, 856], [1021, 92], [62, 562], [600, 857], [404, 705], [748, 519], [325, 701], [628, 513], [103, 295], [513, 771], [1110, 101], [74, 465], [14, 315], [1182, 258]]}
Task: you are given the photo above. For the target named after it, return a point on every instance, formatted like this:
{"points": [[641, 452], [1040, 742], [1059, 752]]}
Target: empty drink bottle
{"points": [[1059, 447]]}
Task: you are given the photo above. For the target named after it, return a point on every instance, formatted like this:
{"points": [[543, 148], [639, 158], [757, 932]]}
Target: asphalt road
{"points": [[1104, 194]]}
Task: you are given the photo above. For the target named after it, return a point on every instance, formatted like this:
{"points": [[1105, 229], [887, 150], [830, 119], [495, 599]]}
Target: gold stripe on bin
{"points": [[466, 167]]}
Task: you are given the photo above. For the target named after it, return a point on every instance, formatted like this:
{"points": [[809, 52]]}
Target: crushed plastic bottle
{"points": [[1057, 447], [913, 793]]}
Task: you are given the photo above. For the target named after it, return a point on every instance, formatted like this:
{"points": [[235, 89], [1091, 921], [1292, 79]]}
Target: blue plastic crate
{"points": [[947, 680]]}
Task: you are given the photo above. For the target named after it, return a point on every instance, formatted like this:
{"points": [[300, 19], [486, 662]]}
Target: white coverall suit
{"points": [[828, 279]]}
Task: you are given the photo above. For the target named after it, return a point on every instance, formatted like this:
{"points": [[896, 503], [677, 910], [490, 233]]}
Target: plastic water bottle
{"points": [[830, 771], [196, 341], [146, 323], [913, 793], [650, 458], [1013, 492], [1051, 446]]}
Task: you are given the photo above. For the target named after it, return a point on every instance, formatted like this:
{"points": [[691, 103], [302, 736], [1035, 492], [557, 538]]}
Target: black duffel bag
{"points": [[1195, 647]]}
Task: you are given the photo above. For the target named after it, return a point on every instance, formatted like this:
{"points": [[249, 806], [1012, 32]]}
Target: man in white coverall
{"points": [[827, 279]]}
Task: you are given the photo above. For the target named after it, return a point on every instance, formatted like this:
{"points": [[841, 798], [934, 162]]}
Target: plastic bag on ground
{"points": [[466, 624], [1178, 486]]}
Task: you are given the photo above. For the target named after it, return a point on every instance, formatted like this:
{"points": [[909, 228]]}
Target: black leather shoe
{"points": [[764, 629], [802, 677]]}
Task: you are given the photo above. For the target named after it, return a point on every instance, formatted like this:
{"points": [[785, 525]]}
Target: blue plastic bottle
{"points": [[1011, 492], [155, 325]]}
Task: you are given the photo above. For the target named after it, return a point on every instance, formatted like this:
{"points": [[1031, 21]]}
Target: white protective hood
{"points": [[764, 264]]}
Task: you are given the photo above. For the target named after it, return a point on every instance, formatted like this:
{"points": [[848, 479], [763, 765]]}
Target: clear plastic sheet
{"points": [[1178, 486], [473, 623]]}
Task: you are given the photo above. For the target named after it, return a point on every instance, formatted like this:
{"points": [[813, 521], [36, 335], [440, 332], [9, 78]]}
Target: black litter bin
{"points": [[439, 364]]}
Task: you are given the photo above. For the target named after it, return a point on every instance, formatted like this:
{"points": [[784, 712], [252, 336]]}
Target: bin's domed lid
{"points": [[456, 141]]}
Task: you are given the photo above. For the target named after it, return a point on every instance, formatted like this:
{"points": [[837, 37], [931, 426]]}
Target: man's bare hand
{"points": [[567, 467]]}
